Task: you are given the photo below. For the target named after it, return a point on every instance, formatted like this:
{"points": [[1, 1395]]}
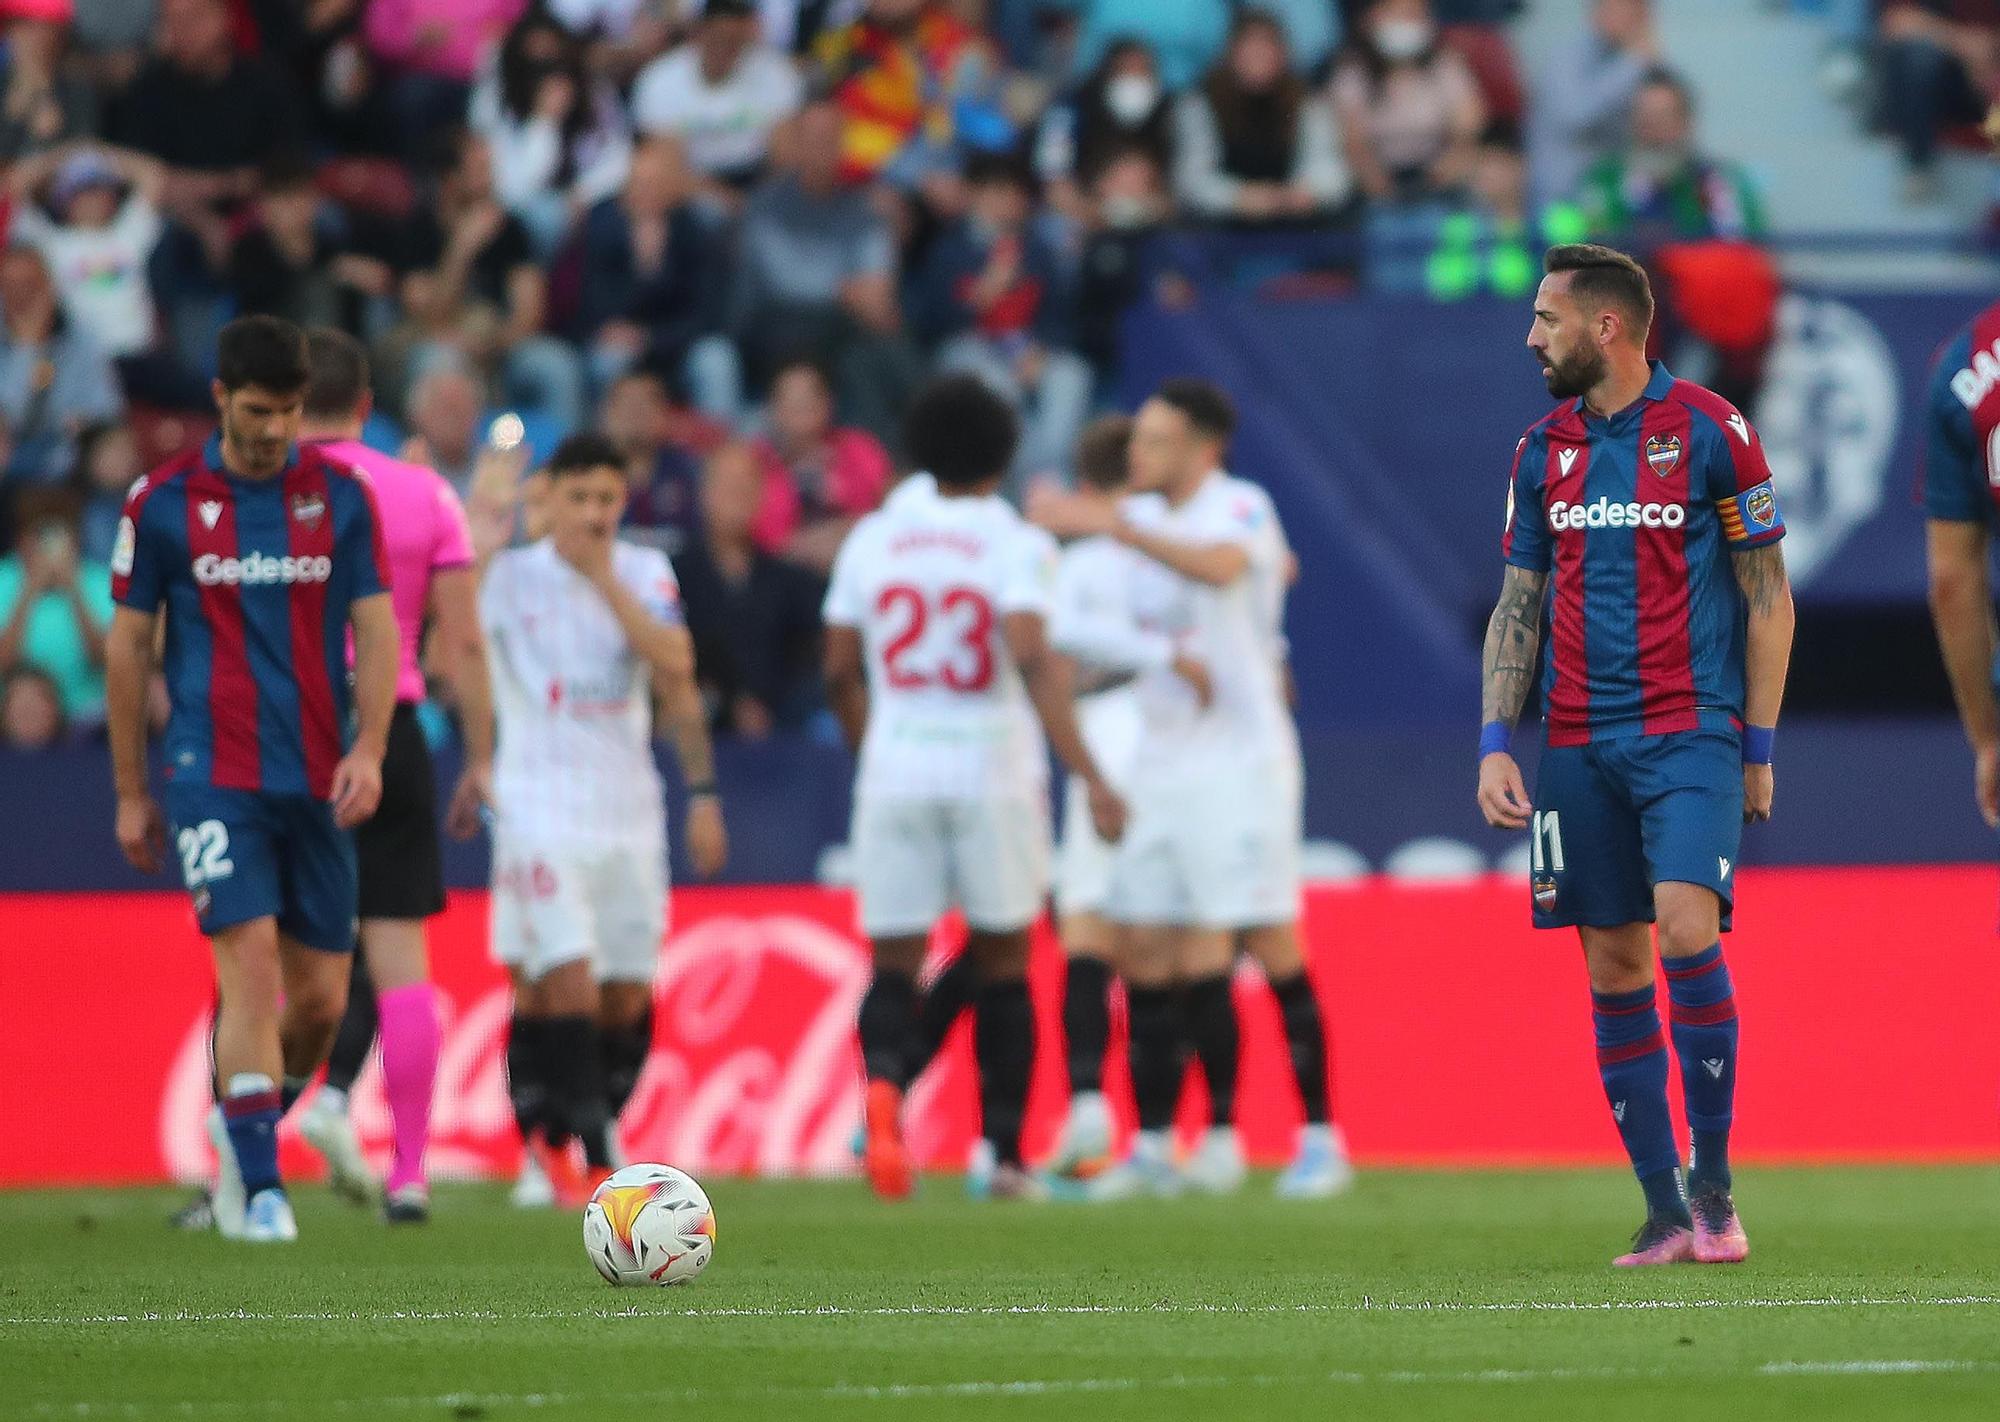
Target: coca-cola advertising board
{"points": [[1870, 1006]]}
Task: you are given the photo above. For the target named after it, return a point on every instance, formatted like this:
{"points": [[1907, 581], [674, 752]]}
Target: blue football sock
{"points": [[251, 1112], [1632, 1061], [1703, 1010]]}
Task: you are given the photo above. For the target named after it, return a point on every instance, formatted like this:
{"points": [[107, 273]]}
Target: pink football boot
{"points": [[1718, 1233], [1658, 1242]]}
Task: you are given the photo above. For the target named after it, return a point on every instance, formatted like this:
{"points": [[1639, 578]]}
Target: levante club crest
{"points": [[308, 509], [1663, 454]]}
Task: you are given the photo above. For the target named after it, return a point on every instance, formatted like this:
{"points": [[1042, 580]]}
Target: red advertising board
{"points": [[1870, 999]]}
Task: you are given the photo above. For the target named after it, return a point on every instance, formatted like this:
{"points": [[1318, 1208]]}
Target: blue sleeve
{"points": [[138, 565], [360, 547], [1526, 544], [1956, 483]]}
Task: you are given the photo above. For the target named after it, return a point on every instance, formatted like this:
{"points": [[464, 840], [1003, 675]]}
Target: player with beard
{"points": [[1641, 522], [259, 554]]}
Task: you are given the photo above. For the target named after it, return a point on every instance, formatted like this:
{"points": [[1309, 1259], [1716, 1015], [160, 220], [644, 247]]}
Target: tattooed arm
{"points": [[1760, 573], [1507, 671], [1513, 639]]}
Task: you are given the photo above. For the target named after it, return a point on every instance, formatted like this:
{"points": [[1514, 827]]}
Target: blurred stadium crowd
{"points": [[736, 235]]}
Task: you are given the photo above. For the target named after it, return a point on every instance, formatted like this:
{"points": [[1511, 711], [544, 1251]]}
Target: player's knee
{"points": [[1689, 919], [317, 1006], [1002, 957]]}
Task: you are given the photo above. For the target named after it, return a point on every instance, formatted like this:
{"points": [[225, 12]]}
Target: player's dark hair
{"points": [[1207, 407], [1103, 451], [1605, 276], [339, 366], [961, 431], [264, 351], [581, 453]]}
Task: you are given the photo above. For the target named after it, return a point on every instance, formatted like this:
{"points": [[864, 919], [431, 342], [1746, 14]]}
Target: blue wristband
{"points": [[1495, 738], [1758, 742]]}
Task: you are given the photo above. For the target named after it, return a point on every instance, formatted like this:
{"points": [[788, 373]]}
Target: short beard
{"points": [[1577, 374]]}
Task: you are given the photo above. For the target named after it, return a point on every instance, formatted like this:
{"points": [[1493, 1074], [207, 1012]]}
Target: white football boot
{"points": [[1320, 1169], [228, 1202], [1084, 1147], [533, 1190], [269, 1220], [1148, 1170], [326, 1128], [1215, 1166]]}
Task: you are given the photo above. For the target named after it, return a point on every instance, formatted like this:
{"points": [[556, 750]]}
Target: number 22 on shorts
{"points": [[205, 853]]}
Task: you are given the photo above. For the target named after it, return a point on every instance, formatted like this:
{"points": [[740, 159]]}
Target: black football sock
{"points": [[526, 1087], [1153, 1016], [576, 1084], [1305, 1039], [950, 993], [889, 1027], [1211, 1029], [624, 1050], [356, 1034], [1086, 1021], [1004, 1040]]}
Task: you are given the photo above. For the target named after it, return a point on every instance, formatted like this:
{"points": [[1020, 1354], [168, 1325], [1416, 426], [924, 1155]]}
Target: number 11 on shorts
{"points": [[1545, 843]]}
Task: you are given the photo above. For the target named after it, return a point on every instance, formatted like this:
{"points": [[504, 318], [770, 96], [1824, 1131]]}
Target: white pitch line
{"points": [[1362, 1306], [1004, 1387]]}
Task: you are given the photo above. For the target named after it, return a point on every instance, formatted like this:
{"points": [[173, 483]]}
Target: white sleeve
{"points": [[656, 103], [139, 226], [1092, 621], [651, 578], [1030, 575], [842, 607], [525, 159]]}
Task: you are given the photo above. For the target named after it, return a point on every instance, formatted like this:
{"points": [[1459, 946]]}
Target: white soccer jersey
{"points": [[926, 580], [571, 698], [1236, 632]]}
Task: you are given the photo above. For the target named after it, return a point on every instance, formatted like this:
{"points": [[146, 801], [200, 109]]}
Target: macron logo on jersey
{"points": [[1740, 426], [211, 512], [212, 570], [1566, 458], [1605, 514]]}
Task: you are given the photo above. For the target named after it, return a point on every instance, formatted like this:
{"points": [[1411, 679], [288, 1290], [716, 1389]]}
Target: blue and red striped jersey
{"points": [[1634, 518], [1962, 425], [257, 577]]}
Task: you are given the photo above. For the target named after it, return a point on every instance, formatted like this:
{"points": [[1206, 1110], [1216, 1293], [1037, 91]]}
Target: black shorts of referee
{"points": [[401, 862]]}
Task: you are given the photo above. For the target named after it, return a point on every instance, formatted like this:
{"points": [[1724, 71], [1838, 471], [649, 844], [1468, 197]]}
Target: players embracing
{"points": [[1642, 525]]}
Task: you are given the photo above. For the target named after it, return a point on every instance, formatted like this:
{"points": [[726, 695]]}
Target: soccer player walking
{"points": [[401, 867], [580, 625], [938, 664], [262, 553], [1642, 522]]}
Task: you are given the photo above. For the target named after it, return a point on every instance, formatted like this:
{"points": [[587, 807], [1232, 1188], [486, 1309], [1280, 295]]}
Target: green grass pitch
{"points": [[1871, 1293]]}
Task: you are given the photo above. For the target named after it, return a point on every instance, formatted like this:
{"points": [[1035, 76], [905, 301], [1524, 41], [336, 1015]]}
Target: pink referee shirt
{"points": [[424, 525]]}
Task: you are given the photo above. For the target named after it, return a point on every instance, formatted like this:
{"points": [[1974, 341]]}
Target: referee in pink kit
{"points": [[401, 869]]}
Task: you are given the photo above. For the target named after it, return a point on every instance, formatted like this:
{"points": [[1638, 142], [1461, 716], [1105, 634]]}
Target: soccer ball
{"points": [[649, 1224]]}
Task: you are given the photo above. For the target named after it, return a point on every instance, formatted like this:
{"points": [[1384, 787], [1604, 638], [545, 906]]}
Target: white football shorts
{"points": [[916, 859], [554, 905], [1220, 854]]}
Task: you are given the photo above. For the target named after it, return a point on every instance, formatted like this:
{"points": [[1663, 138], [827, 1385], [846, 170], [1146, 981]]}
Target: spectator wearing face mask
{"points": [[1128, 203], [1662, 187], [1121, 107], [1409, 109], [1255, 143]]}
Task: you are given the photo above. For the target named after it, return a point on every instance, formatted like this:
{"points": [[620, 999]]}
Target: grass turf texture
{"points": [[1871, 1293]]}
